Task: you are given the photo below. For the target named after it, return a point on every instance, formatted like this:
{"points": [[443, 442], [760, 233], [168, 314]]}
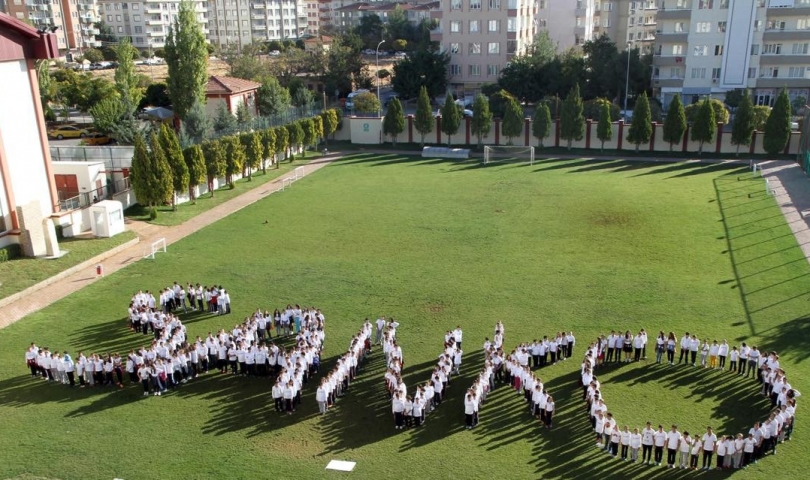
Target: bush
{"points": [[592, 109], [760, 115], [152, 214], [60, 232], [9, 253], [720, 111]]}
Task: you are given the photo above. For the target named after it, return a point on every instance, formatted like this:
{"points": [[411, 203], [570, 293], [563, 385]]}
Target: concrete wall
{"points": [[365, 130], [87, 173]]}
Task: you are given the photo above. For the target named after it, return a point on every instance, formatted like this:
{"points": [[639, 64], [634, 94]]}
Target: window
{"points": [[494, 48], [455, 4], [705, 4], [772, 49], [703, 27], [137, 6], [511, 47], [800, 48], [796, 72], [721, 27], [715, 73], [138, 40], [700, 50], [752, 72], [769, 72], [718, 50], [675, 72], [677, 49], [475, 48], [757, 25], [803, 24], [755, 49], [493, 26], [494, 4], [475, 70], [118, 18], [678, 27], [454, 48], [698, 73], [475, 26], [120, 29], [109, 18], [493, 70], [544, 5], [775, 25], [475, 4], [607, 6], [136, 18], [138, 29], [455, 26], [723, 5], [511, 25], [632, 21], [455, 69], [542, 23]]}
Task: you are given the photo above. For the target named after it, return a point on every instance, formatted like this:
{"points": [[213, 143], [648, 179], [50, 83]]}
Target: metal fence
{"points": [[114, 158], [271, 121]]}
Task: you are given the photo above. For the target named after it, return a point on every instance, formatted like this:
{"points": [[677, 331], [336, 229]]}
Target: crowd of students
{"points": [[485, 380], [171, 359], [684, 450], [337, 381]]}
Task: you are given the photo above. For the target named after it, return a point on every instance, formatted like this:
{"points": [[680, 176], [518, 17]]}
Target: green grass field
{"points": [[586, 246]]}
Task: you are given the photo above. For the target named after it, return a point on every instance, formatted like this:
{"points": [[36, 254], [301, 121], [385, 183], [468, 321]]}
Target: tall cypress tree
{"points": [[704, 126], [282, 141], [330, 123], [572, 123], [162, 183], [187, 60], [641, 125], [394, 121], [541, 123], [195, 161], [512, 120], [451, 118], [269, 142], [176, 162], [254, 151], [604, 130], [214, 152], [675, 123], [140, 173], [234, 158], [743, 126], [777, 127], [481, 122], [423, 121]]}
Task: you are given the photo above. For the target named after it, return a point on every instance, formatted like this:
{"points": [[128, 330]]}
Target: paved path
{"points": [[791, 186], [791, 189], [148, 234]]}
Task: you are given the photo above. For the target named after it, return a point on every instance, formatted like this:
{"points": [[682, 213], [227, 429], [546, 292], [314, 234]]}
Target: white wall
{"points": [[18, 124], [86, 173]]}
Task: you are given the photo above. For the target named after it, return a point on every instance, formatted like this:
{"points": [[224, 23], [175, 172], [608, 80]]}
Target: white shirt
{"points": [[709, 441]]}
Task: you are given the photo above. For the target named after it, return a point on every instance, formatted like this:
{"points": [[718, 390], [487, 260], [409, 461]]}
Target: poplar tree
{"points": [[282, 141], [254, 151], [394, 121], [162, 183], [423, 121], [140, 172], [214, 152], [186, 56], [572, 123], [704, 126], [604, 130], [675, 123], [481, 120], [176, 161], [269, 142], [777, 127], [195, 162], [330, 123], [641, 125], [512, 120], [234, 158], [541, 123], [743, 126], [451, 118]]}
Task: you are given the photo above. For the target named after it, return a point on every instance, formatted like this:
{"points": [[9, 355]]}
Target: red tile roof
{"points": [[218, 85]]}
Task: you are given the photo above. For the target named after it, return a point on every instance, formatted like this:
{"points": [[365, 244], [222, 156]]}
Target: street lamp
{"points": [[627, 81], [379, 105]]}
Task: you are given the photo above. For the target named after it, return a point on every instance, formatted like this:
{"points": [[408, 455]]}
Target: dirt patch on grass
{"points": [[435, 308]]}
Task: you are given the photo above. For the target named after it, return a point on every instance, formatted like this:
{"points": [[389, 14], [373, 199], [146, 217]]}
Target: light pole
{"points": [[377, 53], [627, 81]]}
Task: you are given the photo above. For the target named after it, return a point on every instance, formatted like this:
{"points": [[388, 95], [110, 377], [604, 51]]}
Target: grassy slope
{"points": [[21, 273], [587, 246]]}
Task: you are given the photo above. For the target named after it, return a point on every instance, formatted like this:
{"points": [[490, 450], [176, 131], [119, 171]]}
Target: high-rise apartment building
{"points": [[73, 20], [242, 21], [146, 22], [629, 23], [481, 36], [569, 22], [708, 47]]}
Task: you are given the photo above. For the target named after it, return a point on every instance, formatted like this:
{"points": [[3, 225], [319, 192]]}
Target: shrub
{"points": [[9, 252], [152, 214], [592, 109], [720, 111]]}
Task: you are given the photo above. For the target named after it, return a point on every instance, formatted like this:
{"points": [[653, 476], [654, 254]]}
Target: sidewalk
{"points": [[791, 189], [38, 297]]}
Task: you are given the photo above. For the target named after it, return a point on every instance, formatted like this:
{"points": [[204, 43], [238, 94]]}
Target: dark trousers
{"points": [[569, 350], [624, 452], [694, 357], [609, 356], [722, 363], [637, 355], [659, 454], [145, 384], [684, 355], [747, 458], [707, 459], [646, 453], [279, 404], [71, 379], [733, 366], [614, 448], [693, 461], [720, 461], [741, 369], [671, 453]]}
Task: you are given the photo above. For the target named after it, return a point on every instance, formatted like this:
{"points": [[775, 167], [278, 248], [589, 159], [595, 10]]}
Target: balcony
{"points": [[258, 16], [155, 34], [663, 82], [797, 11], [784, 59], [258, 6], [436, 35], [579, 12], [257, 26], [154, 22], [579, 30], [671, 37], [669, 60], [782, 35], [153, 10], [674, 14], [780, 82]]}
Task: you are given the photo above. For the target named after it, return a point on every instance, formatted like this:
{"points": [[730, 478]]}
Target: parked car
{"points": [[274, 53], [371, 51], [794, 125], [390, 99], [400, 55], [97, 139], [68, 131]]}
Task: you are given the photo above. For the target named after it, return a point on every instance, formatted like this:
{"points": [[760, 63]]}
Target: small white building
{"points": [[107, 218]]}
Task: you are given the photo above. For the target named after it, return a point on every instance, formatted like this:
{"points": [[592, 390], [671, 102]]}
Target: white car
{"points": [[400, 55], [349, 101], [274, 53]]}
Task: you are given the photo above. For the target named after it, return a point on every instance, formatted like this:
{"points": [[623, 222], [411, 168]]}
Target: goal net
{"points": [[156, 247], [508, 154]]}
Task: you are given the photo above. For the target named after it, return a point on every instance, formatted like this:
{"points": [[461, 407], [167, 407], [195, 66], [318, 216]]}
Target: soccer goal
{"points": [[508, 153], [286, 183], [299, 173], [158, 246]]}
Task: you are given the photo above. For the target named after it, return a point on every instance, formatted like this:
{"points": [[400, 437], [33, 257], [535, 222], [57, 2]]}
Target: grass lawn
{"points": [[185, 211], [587, 246], [21, 273]]}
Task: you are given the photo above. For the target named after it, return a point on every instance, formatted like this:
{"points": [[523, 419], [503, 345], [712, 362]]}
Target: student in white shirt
{"points": [[647, 441], [659, 441], [635, 444], [673, 442], [683, 450], [709, 440], [625, 442]]}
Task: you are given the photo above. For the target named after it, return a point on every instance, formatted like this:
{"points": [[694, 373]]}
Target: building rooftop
{"points": [[229, 85]]}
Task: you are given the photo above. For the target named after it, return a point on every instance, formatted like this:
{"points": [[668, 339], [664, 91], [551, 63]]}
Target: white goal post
{"points": [[504, 153], [157, 246], [299, 173]]}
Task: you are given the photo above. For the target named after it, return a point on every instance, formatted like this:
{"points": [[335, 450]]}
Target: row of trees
{"points": [[162, 169], [572, 121]]}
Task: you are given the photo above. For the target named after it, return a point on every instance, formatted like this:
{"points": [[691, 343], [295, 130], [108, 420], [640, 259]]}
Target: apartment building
{"points": [[73, 20], [568, 22], [146, 22], [629, 23], [347, 14], [708, 47], [481, 36]]}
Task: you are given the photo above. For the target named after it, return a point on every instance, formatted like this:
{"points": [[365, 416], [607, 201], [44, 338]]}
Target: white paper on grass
{"points": [[341, 465]]}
